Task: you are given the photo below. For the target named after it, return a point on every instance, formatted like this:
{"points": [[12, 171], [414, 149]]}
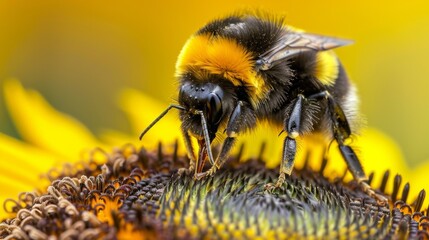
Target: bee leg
{"points": [[341, 130], [239, 114], [221, 159], [289, 146], [191, 156], [356, 169]]}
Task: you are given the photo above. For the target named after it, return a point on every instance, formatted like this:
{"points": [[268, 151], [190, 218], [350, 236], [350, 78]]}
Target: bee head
{"points": [[207, 97]]}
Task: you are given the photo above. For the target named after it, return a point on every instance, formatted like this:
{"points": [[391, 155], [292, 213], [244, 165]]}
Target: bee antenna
{"points": [[161, 116]]}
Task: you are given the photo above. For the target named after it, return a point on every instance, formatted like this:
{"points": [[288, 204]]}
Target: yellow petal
{"points": [[380, 153], [264, 135], [21, 168], [25, 156], [419, 179], [116, 138], [40, 124]]}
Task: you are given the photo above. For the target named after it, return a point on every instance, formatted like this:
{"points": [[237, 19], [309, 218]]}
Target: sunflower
{"points": [[63, 182]]}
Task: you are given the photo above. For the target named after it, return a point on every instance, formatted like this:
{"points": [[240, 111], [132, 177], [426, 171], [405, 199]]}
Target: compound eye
{"points": [[183, 95], [214, 107]]}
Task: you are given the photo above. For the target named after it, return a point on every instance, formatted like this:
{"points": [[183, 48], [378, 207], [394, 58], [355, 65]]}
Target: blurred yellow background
{"points": [[80, 54]]}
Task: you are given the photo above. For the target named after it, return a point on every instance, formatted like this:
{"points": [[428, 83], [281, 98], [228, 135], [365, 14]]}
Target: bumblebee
{"points": [[244, 68]]}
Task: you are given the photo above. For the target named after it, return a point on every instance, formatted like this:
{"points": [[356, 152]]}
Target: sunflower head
{"points": [[138, 193]]}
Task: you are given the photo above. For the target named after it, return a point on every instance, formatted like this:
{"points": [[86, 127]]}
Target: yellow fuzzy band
{"points": [[221, 56], [326, 70]]}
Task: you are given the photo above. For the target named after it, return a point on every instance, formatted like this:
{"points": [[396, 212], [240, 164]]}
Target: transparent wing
{"points": [[293, 43]]}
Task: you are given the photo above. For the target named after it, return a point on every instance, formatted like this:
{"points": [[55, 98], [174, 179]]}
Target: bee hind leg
{"points": [[341, 131], [356, 169]]}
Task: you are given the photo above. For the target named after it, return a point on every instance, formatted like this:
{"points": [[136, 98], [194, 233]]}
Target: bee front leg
{"points": [[191, 155], [293, 128], [240, 114], [221, 159]]}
